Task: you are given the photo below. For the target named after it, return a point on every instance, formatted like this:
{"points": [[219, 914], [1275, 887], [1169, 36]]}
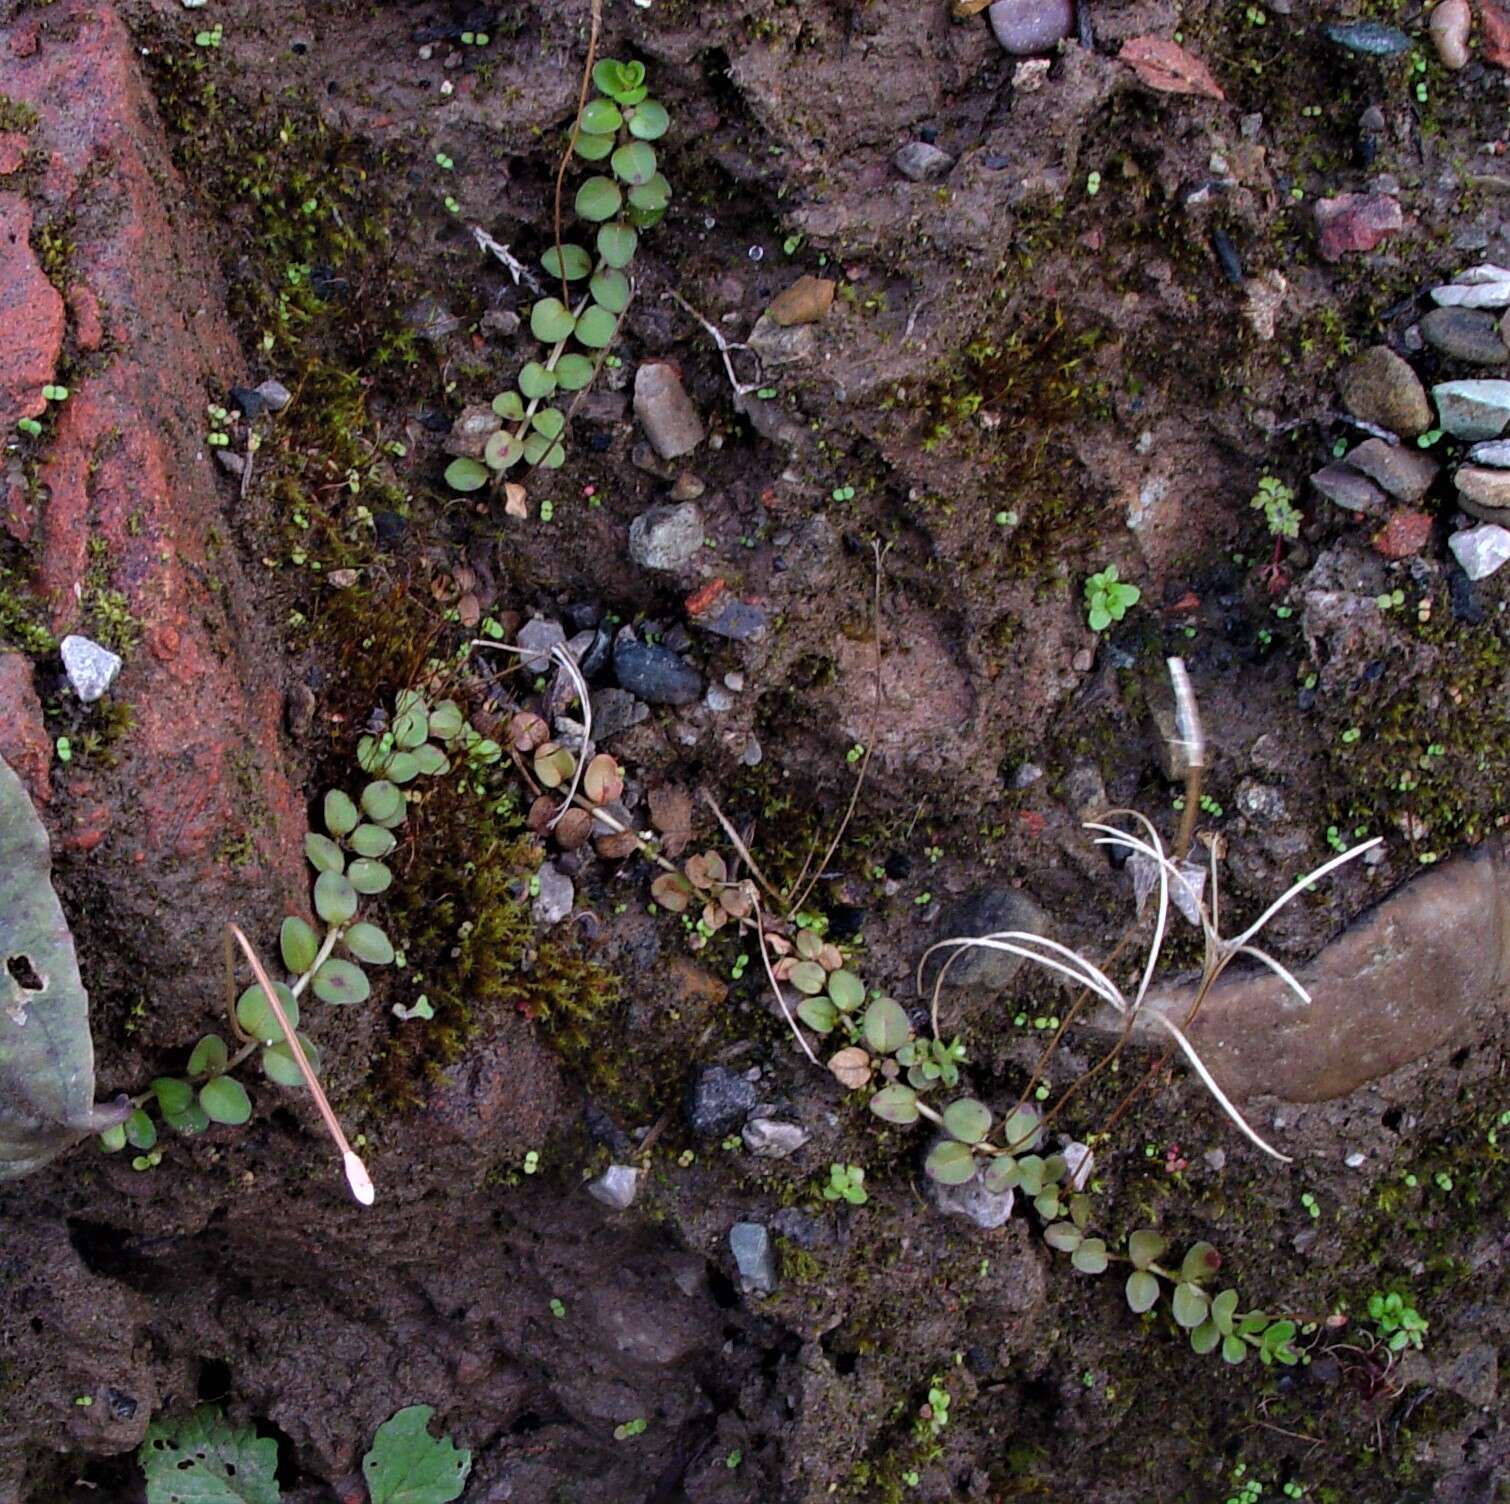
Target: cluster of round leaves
{"points": [[704, 881], [615, 127], [349, 866], [555, 766], [1212, 1321]]}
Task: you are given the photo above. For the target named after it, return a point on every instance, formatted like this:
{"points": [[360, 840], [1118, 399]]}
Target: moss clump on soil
{"points": [[22, 617]]}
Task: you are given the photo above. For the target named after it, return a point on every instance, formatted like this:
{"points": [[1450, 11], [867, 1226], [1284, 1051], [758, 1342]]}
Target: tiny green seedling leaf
{"points": [[409, 1466]]}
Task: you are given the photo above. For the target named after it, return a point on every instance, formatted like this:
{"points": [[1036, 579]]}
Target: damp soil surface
{"points": [[1083, 345]]}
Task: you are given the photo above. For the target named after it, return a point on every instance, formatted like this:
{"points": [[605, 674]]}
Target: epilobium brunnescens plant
{"points": [[348, 858], [578, 328]]}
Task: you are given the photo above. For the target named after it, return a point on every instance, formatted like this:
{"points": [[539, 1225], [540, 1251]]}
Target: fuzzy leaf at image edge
{"points": [[46, 1053], [409, 1466], [206, 1460]]}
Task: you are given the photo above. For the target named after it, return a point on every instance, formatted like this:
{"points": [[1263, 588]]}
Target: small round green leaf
{"points": [[573, 372], [431, 760], [950, 1162], [1144, 1247], [506, 405], [339, 981], [610, 290], [1234, 1349], [340, 813], [616, 245], [1090, 1256], [1022, 1131], [550, 319], [1064, 1236], [368, 943], [649, 120], [256, 1017], [335, 898], [502, 450], [886, 1026], [895, 1104], [409, 730], [541, 451], [225, 1101], [651, 196], [369, 877], [298, 944], [372, 841], [633, 163], [1001, 1174], [596, 328], [141, 1131], [1200, 1263], [846, 989], [1223, 1309], [209, 1056], [593, 148], [808, 977], [446, 720], [967, 1120], [323, 853], [193, 1119], [597, 199], [278, 1062], [1190, 1305], [535, 381], [1142, 1291], [402, 768], [1204, 1338], [113, 1139], [599, 117], [548, 421], [172, 1094], [1048, 1205], [818, 1013], [466, 475], [382, 802]]}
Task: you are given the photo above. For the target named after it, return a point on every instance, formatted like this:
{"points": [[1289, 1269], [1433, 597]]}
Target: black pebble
{"points": [[1305, 700], [898, 866], [582, 616], [598, 442], [435, 422], [1226, 253], [845, 921], [390, 528], [251, 404], [1465, 599], [595, 659], [928, 134]]}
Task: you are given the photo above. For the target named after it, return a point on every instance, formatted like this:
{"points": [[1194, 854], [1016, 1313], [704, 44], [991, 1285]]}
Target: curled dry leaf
{"points": [[672, 891], [714, 917], [851, 1067], [541, 813], [469, 610], [736, 901], [671, 815], [528, 731], [573, 829], [1166, 67], [707, 871], [779, 944], [782, 970], [603, 779], [609, 843], [829, 956], [808, 945]]}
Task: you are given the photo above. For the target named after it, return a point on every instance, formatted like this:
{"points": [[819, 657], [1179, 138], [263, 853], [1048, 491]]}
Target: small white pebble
{"points": [[1355, 1159]]}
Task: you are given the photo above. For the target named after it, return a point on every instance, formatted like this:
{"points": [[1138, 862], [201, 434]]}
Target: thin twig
{"points": [[739, 845], [356, 1172], [724, 348], [770, 972]]}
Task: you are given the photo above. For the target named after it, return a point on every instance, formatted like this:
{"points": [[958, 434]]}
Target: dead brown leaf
{"points": [[851, 1067], [1166, 67], [804, 302]]}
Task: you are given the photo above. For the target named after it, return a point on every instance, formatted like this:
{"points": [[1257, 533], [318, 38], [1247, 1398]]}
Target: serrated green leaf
{"points": [[551, 320], [598, 199], [256, 1017], [224, 1100], [596, 328], [616, 245], [208, 1057], [340, 813], [409, 1466], [204, 1459], [1142, 1291], [464, 474], [335, 898], [323, 853], [341, 982], [967, 1120], [950, 1162], [298, 944], [368, 943]]}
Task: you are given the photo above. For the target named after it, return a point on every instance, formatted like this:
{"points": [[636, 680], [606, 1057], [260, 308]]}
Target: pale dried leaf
{"points": [[1166, 67], [851, 1067]]}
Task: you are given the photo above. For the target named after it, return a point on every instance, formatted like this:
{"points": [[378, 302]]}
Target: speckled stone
{"points": [[1466, 334], [1380, 388], [1024, 27], [1371, 38]]}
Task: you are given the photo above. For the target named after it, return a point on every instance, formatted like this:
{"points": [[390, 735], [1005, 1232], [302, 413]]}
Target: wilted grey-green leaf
{"points": [[1090, 1257], [323, 853], [1064, 1236], [339, 981], [950, 1162], [372, 841], [895, 1104], [1142, 1291], [368, 943], [1001, 1174], [1200, 1263], [1144, 1247], [369, 877]]}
